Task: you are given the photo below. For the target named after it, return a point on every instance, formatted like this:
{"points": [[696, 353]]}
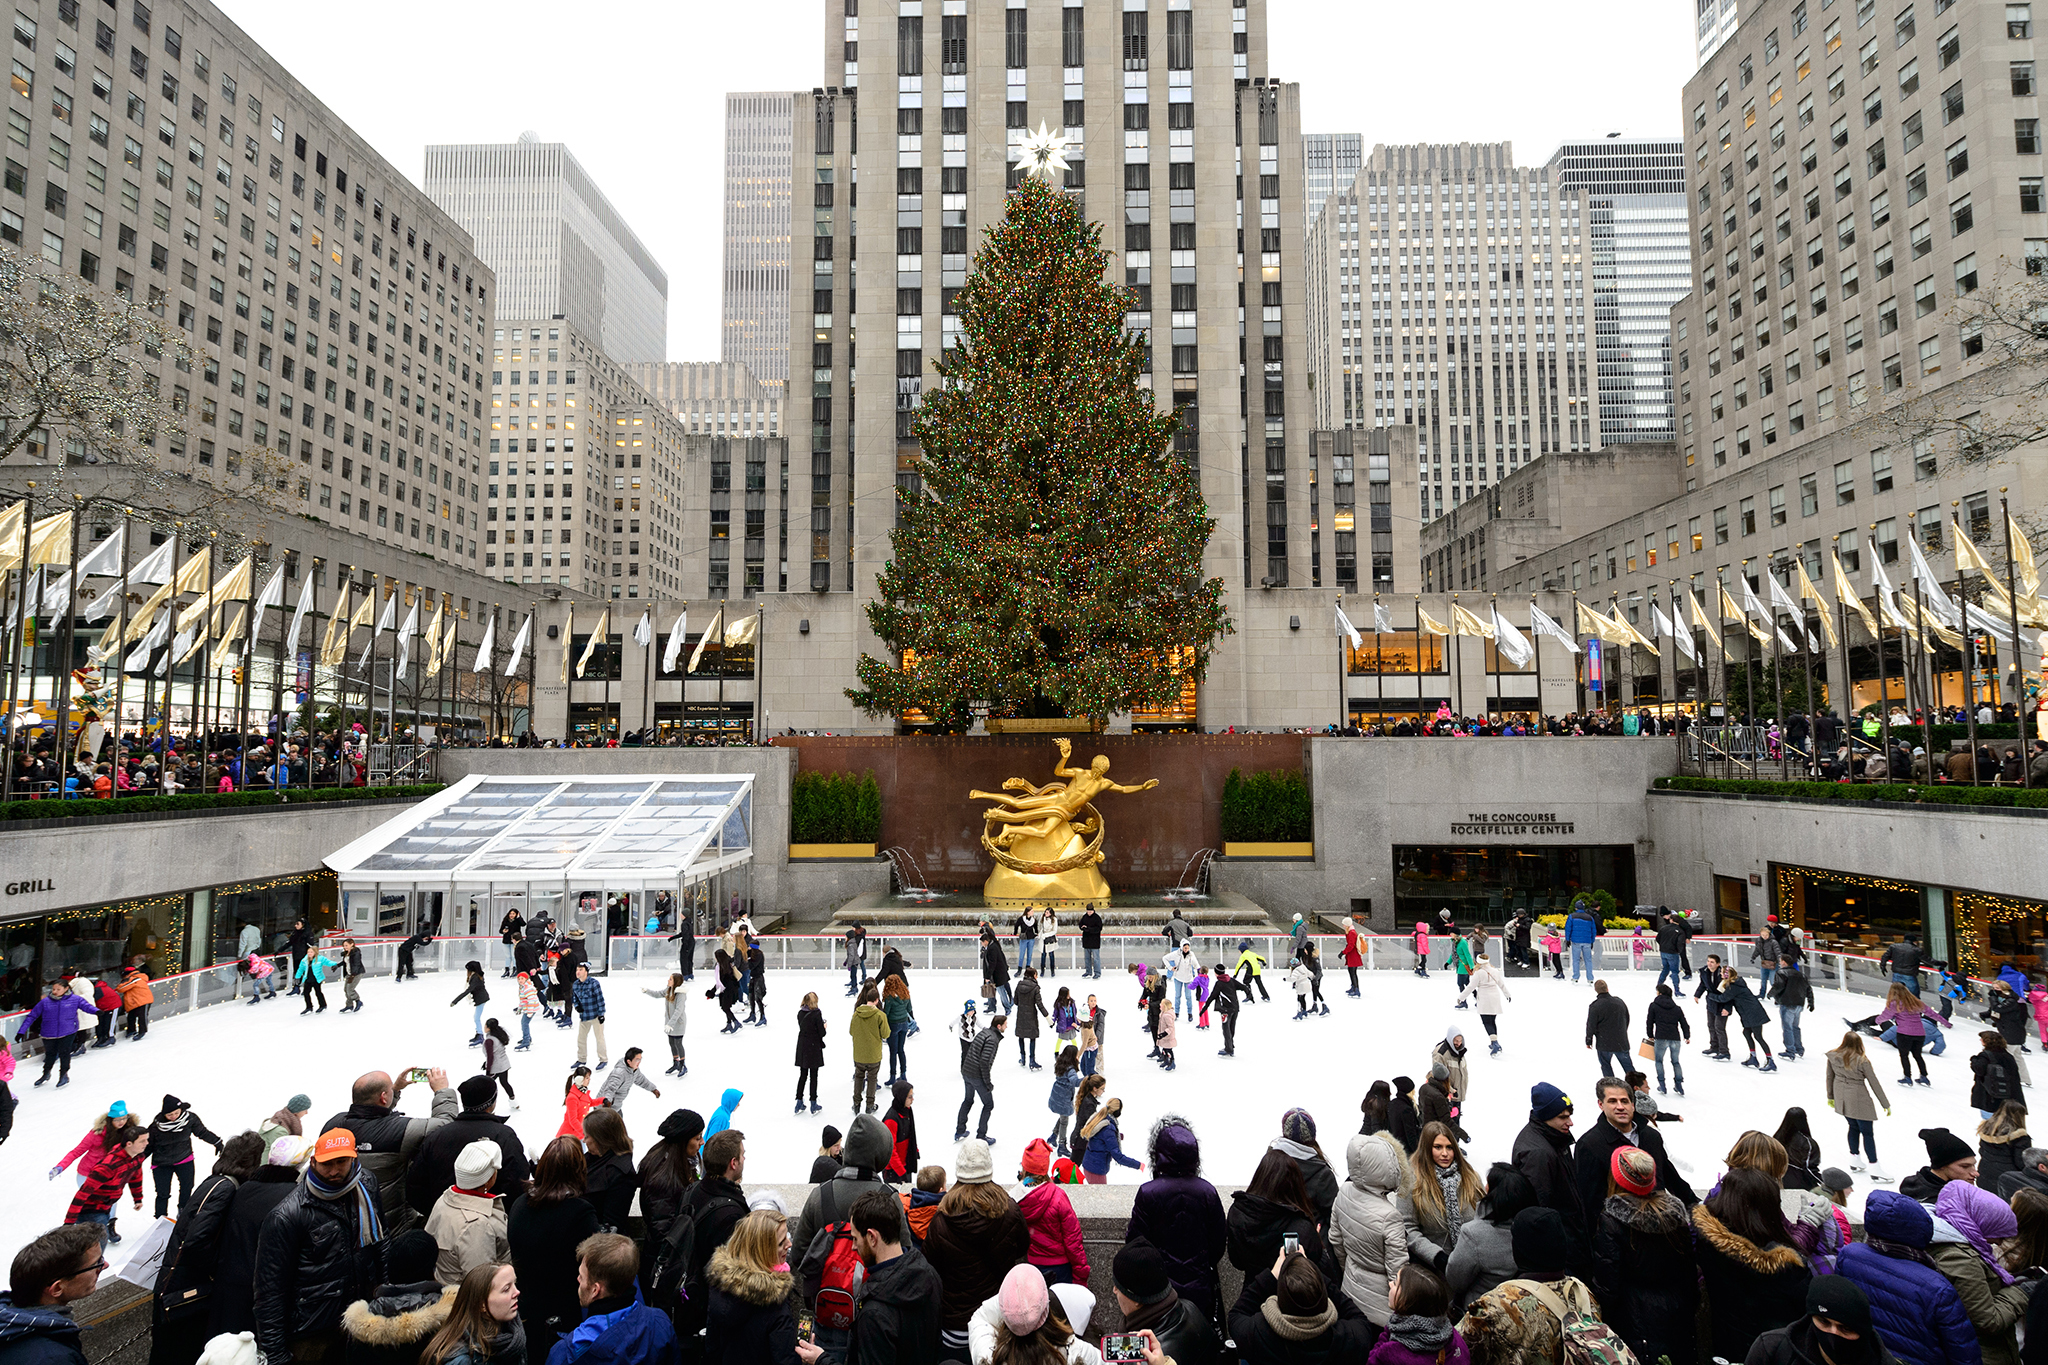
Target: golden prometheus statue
{"points": [[1047, 841]]}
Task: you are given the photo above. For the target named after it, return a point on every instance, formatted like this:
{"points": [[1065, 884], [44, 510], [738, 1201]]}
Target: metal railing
{"points": [[401, 764], [224, 983]]}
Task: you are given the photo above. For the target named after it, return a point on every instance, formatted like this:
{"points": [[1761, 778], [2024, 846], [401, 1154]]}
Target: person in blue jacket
{"points": [[721, 1117], [1916, 1309], [55, 1016], [1104, 1144], [1581, 927], [618, 1327]]}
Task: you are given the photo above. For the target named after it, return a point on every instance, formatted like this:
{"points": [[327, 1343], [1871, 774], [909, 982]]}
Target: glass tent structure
{"points": [[608, 855]]}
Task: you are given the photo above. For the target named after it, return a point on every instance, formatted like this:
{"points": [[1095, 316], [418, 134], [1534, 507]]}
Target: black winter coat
{"points": [[1030, 1008], [432, 1173], [1740, 998], [1646, 1278], [1544, 1157], [1435, 1107], [543, 1239], [1997, 1080], [897, 1317], [2008, 1014], [995, 965], [751, 1319], [1254, 1227], [1795, 1345], [981, 1055], [1182, 1216], [395, 1323], [1666, 1019], [190, 1260], [1607, 1024], [1594, 1150], [170, 1140], [810, 1037], [977, 1252], [1791, 990], [1404, 1123], [609, 1187], [1350, 1338], [234, 1273], [309, 1267], [1750, 1289]]}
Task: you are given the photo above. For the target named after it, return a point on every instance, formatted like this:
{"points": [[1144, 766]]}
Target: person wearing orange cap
{"points": [[308, 1257]]}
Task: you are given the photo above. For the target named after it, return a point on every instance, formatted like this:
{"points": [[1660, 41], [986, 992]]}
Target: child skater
{"points": [[577, 1102], [498, 1058], [1202, 994]]}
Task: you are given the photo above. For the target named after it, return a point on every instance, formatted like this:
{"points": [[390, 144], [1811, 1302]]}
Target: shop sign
{"points": [[1509, 825]]}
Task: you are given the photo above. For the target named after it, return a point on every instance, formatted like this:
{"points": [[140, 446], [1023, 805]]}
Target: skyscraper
{"points": [[558, 246], [1164, 139], [1329, 162], [1634, 195], [1716, 22], [754, 328], [1448, 291]]}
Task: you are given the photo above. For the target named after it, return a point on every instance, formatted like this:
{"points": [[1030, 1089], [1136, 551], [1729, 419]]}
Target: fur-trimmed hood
{"points": [[1656, 1215], [762, 1288], [1776, 1259], [402, 1315]]}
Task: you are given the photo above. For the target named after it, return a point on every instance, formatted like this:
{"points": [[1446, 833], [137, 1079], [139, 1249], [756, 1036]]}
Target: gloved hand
{"points": [[56, 1171]]}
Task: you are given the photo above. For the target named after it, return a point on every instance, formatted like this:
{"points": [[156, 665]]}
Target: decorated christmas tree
{"points": [[1051, 562]]}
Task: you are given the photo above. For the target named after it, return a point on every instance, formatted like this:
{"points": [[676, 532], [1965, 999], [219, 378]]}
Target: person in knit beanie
{"points": [[286, 1122], [1948, 1158], [1643, 1267], [1298, 1140]]}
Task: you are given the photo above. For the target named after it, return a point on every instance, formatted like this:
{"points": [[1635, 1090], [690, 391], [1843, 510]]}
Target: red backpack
{"points": [[832, 1268]]}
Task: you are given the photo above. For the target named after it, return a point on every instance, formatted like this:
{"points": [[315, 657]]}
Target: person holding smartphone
{"points": [[1286, 1313]]}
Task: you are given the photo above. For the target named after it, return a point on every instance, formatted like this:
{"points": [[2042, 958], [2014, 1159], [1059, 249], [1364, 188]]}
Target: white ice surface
{"points": [[237, 1064]]}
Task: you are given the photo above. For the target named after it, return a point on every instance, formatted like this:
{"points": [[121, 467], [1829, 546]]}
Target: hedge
{"points": [[1900, 793], [52, 809], [835, 808], [1267, 808]]}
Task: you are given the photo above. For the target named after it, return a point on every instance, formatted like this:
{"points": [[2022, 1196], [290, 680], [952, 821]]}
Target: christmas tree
{"points": [[1051, 563]]}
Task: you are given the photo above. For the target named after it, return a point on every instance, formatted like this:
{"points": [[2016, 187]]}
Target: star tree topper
{"points": [[1045, 154]]}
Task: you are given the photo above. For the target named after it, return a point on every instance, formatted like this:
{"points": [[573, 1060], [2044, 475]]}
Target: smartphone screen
{"points": [[1290, 1242], [1123, 1348], [804, 1325]]}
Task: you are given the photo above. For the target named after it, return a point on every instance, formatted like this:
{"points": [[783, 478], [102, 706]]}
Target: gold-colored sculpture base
{"points": [[1009, 887]]}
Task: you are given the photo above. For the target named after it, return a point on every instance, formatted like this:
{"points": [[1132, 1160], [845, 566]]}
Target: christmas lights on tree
{"points": [[1051, 562]]}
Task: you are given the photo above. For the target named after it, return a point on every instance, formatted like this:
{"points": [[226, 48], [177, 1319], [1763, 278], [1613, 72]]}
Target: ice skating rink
{"points": [[236, 1064]]}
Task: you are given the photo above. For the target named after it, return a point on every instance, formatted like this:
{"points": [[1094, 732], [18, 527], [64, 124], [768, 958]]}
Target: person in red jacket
{"points": [[107, 1000], [95, 1200], [902, 1126], [1056, 1248], [1353, 958]]}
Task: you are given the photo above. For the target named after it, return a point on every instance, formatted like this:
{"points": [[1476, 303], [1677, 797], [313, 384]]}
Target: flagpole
{"points": [[1457, 661], [1578, 666], [149, 678], [1418, 658], [1778, 678], [647, 677], [1493, 605], [63, 678], [28, 517], [1884, 679], [1927, 704], [120, 641], [1536, 643], [533, 668], [1970, 648], [1806, 658], [760, 700], [1628, 655], [1678, 622], [2012, 595], [720, 618], [1342, 712]]}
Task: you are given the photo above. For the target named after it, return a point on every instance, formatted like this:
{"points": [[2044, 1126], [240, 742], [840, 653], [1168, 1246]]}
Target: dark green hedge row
{"points": [[1904, 793], [1267, 808], [138, 805], [835, 808]]}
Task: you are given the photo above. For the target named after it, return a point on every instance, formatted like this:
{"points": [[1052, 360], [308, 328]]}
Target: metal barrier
{"points": [[224, 982], [399, 764]]}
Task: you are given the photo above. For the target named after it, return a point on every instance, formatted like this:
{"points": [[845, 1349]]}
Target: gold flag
{"points": [[11, 522], [334, 640], [1711, 628], [1597, 624], [742, 632], [1465, 623], [434, 648], [198, 642], [49, 540], [2023, 559], [191, 577], [1845, 594], [1728, 608], [1809, 593], [448, 643], [226, 648], [597, 637], [1630, 635], [1430, 623], [232, 586], [711, 632], [568, 632]]}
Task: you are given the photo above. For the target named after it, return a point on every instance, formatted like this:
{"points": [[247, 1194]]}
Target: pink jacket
{"points": [[1055, 1231], [259, 966], [90, 1149]]}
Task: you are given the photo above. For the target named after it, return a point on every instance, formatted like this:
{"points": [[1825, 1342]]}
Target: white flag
{"points": [[272, 594], [519, 645], [299, 614], [1939, 604], [1541, 624], [697, 654], [1681, 638], [1751, 605], [643, 633], [1510, 643], [151, 642], [405, 634], [390, 615], [156, 569], [1347, 630], [102, 561], [678, 635], [599, 634], [483, 651], [1382, 619]]}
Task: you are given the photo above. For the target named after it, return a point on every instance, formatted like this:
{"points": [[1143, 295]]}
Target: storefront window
{"points": [[1484, 884]]}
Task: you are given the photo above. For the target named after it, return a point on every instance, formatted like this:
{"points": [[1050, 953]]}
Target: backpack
{"points": [[1585, 1338], [674, 1253], [835, 1258]]}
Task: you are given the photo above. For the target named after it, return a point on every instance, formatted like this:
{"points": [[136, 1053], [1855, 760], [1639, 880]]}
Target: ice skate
{"points": [[1770, 1064], [1877, 1175], [1493, 1047], [1750, 1060]]}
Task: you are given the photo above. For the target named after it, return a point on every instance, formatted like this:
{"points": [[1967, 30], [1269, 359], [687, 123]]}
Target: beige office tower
{"points": [[1449, 291], [754, 293], [339, 314], [714, 397], [1175, 138]]}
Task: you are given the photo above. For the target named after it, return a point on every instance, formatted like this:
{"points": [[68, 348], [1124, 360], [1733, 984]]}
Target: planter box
{"points": [[1289, 850], [1069, 725], [831, 851]]}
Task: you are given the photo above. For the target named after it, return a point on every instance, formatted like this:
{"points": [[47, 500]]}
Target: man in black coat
{"points": [[1091, 944], [432, 1173], [976, 1076], [1672, 932], [1717, 1022], [1543, 1153], [995, 968], [896, 1318], [300, 940], [1617, 1127], [1146, 1297], [1607, 1029], [716, 1204], [314, 1256]]}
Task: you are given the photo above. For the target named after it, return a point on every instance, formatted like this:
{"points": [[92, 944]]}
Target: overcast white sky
{"points": [[636, 87]]}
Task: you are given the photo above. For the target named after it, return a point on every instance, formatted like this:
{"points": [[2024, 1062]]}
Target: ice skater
{"points": [[1353, 959], [1553, 951], [727, 991], [1224, 990], [1490, 991], [498, 1058], [675, 1003], [1461, 962], [529, 1005], [1313, 960], [1422, 949], [1066, 1080], [1300, 982], [1202, 988], [757, 984], [478, 994], [1751, 1015], [1251, 971]]}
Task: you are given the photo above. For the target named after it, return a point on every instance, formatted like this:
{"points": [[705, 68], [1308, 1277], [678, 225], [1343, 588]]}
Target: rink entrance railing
{"points": [[185, 992]]}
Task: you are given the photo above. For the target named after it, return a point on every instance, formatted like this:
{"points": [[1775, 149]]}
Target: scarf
{"points": [[1150, 1315], [1424, 1336], [1289, 1327], [287, 1120], [369, 1226], [1899, 1251]]}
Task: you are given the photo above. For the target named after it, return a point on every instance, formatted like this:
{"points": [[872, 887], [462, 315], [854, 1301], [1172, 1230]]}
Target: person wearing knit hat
{"points": [[1298, 1140], [468, 1222], [973, 1163], [1633, 1171], [1948, 1158], [1141, 1285], [1542, 1243], [1024, 1300], [827, 1163], [1543, 1152], [286, 1121], [1649, 1281], [1837, 1329], [1056, 1247]]}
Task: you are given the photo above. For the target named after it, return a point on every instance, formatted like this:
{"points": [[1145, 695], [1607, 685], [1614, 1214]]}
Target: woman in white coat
{"points": [[1491, 991], [1366, 1232]]}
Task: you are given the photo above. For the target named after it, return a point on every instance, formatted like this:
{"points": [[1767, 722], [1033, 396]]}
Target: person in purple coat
{"points": [[1180, 1214], [55, 1017]]}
